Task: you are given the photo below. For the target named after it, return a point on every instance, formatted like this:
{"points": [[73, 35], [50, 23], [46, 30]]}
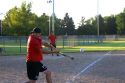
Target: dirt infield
{"points": [[92, 67]]}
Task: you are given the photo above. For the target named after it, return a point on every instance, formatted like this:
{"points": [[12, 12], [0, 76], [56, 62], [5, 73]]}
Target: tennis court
{"points": [[88, 67]]}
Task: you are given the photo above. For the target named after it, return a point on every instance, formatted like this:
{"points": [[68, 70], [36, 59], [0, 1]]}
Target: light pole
{"points": [[53, 16], [1, 33], [1, 25], [53, 19], [49, 18], [98, 19], [49, 25]]}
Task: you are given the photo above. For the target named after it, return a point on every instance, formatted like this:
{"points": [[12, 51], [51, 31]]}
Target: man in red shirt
{"points": [[34, 57], [52, 40]]}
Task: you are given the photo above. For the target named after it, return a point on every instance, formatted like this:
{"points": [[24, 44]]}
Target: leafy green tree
{"points": [[86, 27], [120, 21], [9, 21], [20, 20], [58, 26], [68, 26], [43, 23], [80, 29], [102, 29], [110, 25]]}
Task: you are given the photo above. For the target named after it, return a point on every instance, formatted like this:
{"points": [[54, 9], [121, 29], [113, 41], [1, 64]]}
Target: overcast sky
{"points": [[75, 8]]}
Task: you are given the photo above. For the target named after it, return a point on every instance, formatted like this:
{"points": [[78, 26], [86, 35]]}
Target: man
{"points": [[34, 57], [52, 40]]}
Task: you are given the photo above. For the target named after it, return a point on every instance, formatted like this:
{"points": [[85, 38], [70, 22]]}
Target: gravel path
{"points": [[111, 69]]}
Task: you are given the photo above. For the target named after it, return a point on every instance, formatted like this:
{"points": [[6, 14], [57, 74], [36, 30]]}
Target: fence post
{"points": [[20, 44], [63, 41]]}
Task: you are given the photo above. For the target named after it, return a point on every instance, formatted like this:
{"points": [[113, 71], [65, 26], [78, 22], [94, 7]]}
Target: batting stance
{"points": [[34, 57]]}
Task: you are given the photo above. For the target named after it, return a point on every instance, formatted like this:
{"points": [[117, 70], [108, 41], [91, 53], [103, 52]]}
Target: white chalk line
{"points": [[87, 67], [116, 54]]}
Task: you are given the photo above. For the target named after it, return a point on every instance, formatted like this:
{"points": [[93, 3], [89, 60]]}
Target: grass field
{"points": [[16, 48], [105, 46]]}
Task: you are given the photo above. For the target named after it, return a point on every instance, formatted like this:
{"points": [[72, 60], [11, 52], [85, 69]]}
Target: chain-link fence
{"points": [[17, 44], [13, 44]]}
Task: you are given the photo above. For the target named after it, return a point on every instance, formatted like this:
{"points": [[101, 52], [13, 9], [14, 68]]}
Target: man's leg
{"points": [[48, 76], [52, 50], [54, 45], [32, 71]]}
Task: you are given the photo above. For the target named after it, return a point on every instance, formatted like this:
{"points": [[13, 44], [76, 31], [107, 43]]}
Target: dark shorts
{"points": [[33, 69]]}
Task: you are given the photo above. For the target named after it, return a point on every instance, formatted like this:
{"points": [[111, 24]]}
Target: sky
{"points": [[75, 8]]}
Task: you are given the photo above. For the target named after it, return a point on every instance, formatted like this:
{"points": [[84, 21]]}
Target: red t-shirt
{"points": [[34, 49], [52, 38]]}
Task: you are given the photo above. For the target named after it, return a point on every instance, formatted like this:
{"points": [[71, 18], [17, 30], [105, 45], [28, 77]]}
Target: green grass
{"points": [[14, 48], [105, 46]]}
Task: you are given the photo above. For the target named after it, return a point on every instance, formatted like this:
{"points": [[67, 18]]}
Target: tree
{"points": [[86, 27], [102, 29], [110, 25], [9, 21], [19, 20], [43, 23], [68, 25], [81, 28], [120, 21], [58, 26]]}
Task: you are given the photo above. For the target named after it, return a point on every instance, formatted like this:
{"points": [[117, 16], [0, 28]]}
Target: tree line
{"points": [[20, 21]]}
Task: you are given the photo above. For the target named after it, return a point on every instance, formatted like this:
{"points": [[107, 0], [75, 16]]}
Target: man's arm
{"points": [[46, 44], [54, 50]]}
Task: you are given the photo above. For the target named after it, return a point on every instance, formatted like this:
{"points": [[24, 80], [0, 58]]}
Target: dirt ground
{"points": [[91, 67]]}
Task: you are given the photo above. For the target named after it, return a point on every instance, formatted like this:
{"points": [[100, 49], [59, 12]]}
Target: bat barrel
{"points": [[72, 58]]}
